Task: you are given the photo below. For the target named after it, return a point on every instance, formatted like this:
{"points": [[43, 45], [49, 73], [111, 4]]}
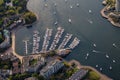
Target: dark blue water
{"points": [[100, 32]]}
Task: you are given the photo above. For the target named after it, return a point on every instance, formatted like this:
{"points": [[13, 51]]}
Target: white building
{"points": [[51, 68], [117, 6]]}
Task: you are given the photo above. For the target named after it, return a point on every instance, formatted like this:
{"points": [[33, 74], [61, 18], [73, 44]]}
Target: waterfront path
{"points": [[13, 48]]}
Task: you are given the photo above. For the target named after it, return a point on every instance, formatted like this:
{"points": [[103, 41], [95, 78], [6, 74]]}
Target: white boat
{"points": [[71, 6], [77, 4], [55, 4], [101, 69], [54, 13], [110, 67], [107, 56], [56, 23], [114, 45], [96, 66], [69, 20], [90, 21], [87, 54], [46, 5], [90, 11], [86, 57], [94, 45], [113, 61], [65, 0]]}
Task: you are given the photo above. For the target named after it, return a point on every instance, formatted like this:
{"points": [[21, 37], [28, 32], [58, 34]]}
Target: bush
{"points": [[93, 76]]}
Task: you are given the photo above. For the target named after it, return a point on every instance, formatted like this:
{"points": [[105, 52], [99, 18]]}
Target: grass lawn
{"points": [[1, 2]]}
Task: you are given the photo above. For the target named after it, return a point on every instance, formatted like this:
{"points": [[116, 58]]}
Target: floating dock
{"points": [[58, 35], [47, 38], [36, 40], [75, 42], [65, 41]]}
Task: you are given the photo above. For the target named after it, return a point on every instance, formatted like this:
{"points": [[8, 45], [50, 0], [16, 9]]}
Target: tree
{"points": [[29, 17], [11, 12]]}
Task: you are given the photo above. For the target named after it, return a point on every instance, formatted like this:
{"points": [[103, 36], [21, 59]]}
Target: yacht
{"points": [[65, 0], [90, 21], [96, 66], [107, 56], [69, 20], [54, 13], [94, 45], [113, 61], [77, 4], [55, 4], [110, 67], [90, 11], [114, 45], [56, 23], [71, 6], [46, 5], [87, 54], [86, 57], [101, 69]]}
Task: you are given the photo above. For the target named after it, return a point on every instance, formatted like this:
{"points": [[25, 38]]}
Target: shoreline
{"points": [[108, 18], [37, 17], [13, 48], [103, 76]]}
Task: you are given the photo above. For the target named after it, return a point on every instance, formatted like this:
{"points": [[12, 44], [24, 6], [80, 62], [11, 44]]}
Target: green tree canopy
{"points": [[29, 17]]}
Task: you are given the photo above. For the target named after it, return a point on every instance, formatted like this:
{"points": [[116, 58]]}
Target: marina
{"points": [[100, 32]]}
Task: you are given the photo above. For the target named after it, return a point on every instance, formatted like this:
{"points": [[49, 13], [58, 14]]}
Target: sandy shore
{"points": [[103, 77], [13, 48]]}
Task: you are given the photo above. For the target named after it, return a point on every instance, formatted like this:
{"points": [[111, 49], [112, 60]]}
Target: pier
{"points": [[65, 41], [26, 46], [58, 35], [47, 38], [75, 42], [36, 40]]}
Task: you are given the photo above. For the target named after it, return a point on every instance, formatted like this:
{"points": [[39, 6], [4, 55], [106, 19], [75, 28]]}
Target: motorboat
{"points": [[101, 69], [71, 6], [110, 67], [56, 23], [96, 66], [77, 4], [113, 61], [94, 45], [69, 20], [87, 54], [107, 56], [90, 11]]}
